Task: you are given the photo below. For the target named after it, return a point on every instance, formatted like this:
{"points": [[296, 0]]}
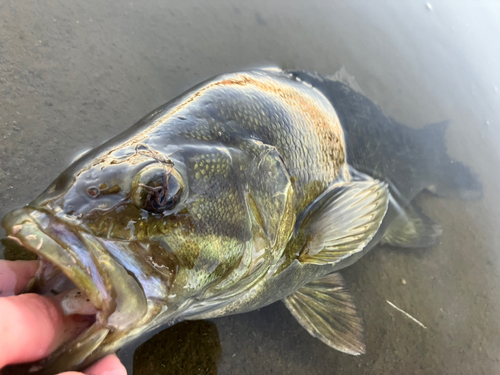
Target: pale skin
{"points": [[33, 326]]}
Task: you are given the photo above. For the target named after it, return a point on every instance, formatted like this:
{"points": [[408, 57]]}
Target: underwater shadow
{"points": [[187, 348]]}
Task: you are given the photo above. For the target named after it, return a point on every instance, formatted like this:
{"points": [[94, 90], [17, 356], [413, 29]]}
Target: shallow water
{"points": [[73, 75]]}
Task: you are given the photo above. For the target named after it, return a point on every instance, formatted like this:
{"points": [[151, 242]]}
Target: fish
{"points": [[250, 188]]}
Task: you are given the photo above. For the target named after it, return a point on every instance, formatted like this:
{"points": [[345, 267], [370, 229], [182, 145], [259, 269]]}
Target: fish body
{"points": [[248, 189]]}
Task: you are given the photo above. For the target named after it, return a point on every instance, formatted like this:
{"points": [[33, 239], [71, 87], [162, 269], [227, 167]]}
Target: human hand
{"points": [[33, 326]]}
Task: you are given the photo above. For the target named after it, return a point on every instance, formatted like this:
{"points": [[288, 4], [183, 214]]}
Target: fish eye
{"points": [[157, 188]]}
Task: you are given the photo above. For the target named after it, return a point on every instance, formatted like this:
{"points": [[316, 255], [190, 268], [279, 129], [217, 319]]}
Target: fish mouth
{"points": [[83, 277]]}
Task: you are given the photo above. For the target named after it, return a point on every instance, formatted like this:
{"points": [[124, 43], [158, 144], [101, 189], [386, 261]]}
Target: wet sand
{"points": [[73, 75]]}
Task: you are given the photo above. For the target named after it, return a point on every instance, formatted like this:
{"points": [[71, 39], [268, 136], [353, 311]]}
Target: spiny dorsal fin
{"points": [[411, 228], [326, 309], [341, 221]]}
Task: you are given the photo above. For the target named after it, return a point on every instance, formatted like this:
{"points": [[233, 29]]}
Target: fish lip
{"points": [[79, 256], [30, 229]]}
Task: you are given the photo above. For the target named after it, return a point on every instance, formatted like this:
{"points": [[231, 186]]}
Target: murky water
{"points": [[74, 74]]}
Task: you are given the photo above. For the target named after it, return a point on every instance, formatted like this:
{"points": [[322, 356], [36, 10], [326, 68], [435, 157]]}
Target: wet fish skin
{"points": [[230, 197]]}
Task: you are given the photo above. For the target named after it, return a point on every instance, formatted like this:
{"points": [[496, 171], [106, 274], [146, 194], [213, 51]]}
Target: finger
{"points": [[32, 326], [20, 339], [15, 275], [109, 365]]}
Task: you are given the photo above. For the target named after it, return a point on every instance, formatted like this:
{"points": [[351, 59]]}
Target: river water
{"points": [[73, 74]]}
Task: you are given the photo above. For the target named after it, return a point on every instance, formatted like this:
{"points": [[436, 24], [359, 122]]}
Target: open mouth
{"points": [[79, 312], [94, 291]]}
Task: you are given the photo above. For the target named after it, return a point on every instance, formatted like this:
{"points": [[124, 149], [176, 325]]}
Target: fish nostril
{"points": [[93, 192]]}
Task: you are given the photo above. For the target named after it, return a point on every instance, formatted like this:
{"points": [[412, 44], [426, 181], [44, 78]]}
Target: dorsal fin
{"points": [[411, 159]]}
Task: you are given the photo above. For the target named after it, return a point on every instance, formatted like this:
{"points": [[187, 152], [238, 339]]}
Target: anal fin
{"points": [[326, 309], [411, 229]]}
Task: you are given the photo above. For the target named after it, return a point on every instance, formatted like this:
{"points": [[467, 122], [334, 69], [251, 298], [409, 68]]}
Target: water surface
{"points": [[74, 74]]}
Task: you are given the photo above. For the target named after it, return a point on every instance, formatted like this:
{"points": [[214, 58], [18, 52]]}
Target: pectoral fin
{"points": [[341, 221], [411, 228], [327, 311]]}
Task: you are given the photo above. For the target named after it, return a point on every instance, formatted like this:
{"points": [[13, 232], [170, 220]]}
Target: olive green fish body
{"points": [[234, 195]]}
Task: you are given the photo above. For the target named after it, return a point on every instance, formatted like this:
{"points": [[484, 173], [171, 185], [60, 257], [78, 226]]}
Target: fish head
{"points": [[148, 228]]}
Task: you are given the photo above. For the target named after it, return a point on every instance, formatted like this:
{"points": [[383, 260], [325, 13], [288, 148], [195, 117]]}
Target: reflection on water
{"points": [[74, 74], [187, 348]]}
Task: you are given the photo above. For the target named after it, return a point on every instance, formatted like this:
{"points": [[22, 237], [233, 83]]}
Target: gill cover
{"points": [[269, 193]]}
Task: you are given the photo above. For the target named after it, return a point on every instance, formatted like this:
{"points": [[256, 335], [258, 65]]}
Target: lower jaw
{"points": [[80, 348]]}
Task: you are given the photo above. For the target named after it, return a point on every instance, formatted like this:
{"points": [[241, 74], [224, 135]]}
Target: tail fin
{"points": [[447, 177]]}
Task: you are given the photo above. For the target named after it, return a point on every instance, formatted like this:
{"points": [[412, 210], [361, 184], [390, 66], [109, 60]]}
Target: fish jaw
{"points": [[77, 258]]}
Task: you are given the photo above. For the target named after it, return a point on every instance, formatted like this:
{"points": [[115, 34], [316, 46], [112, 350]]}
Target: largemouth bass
{"points": [[250, 188]]}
